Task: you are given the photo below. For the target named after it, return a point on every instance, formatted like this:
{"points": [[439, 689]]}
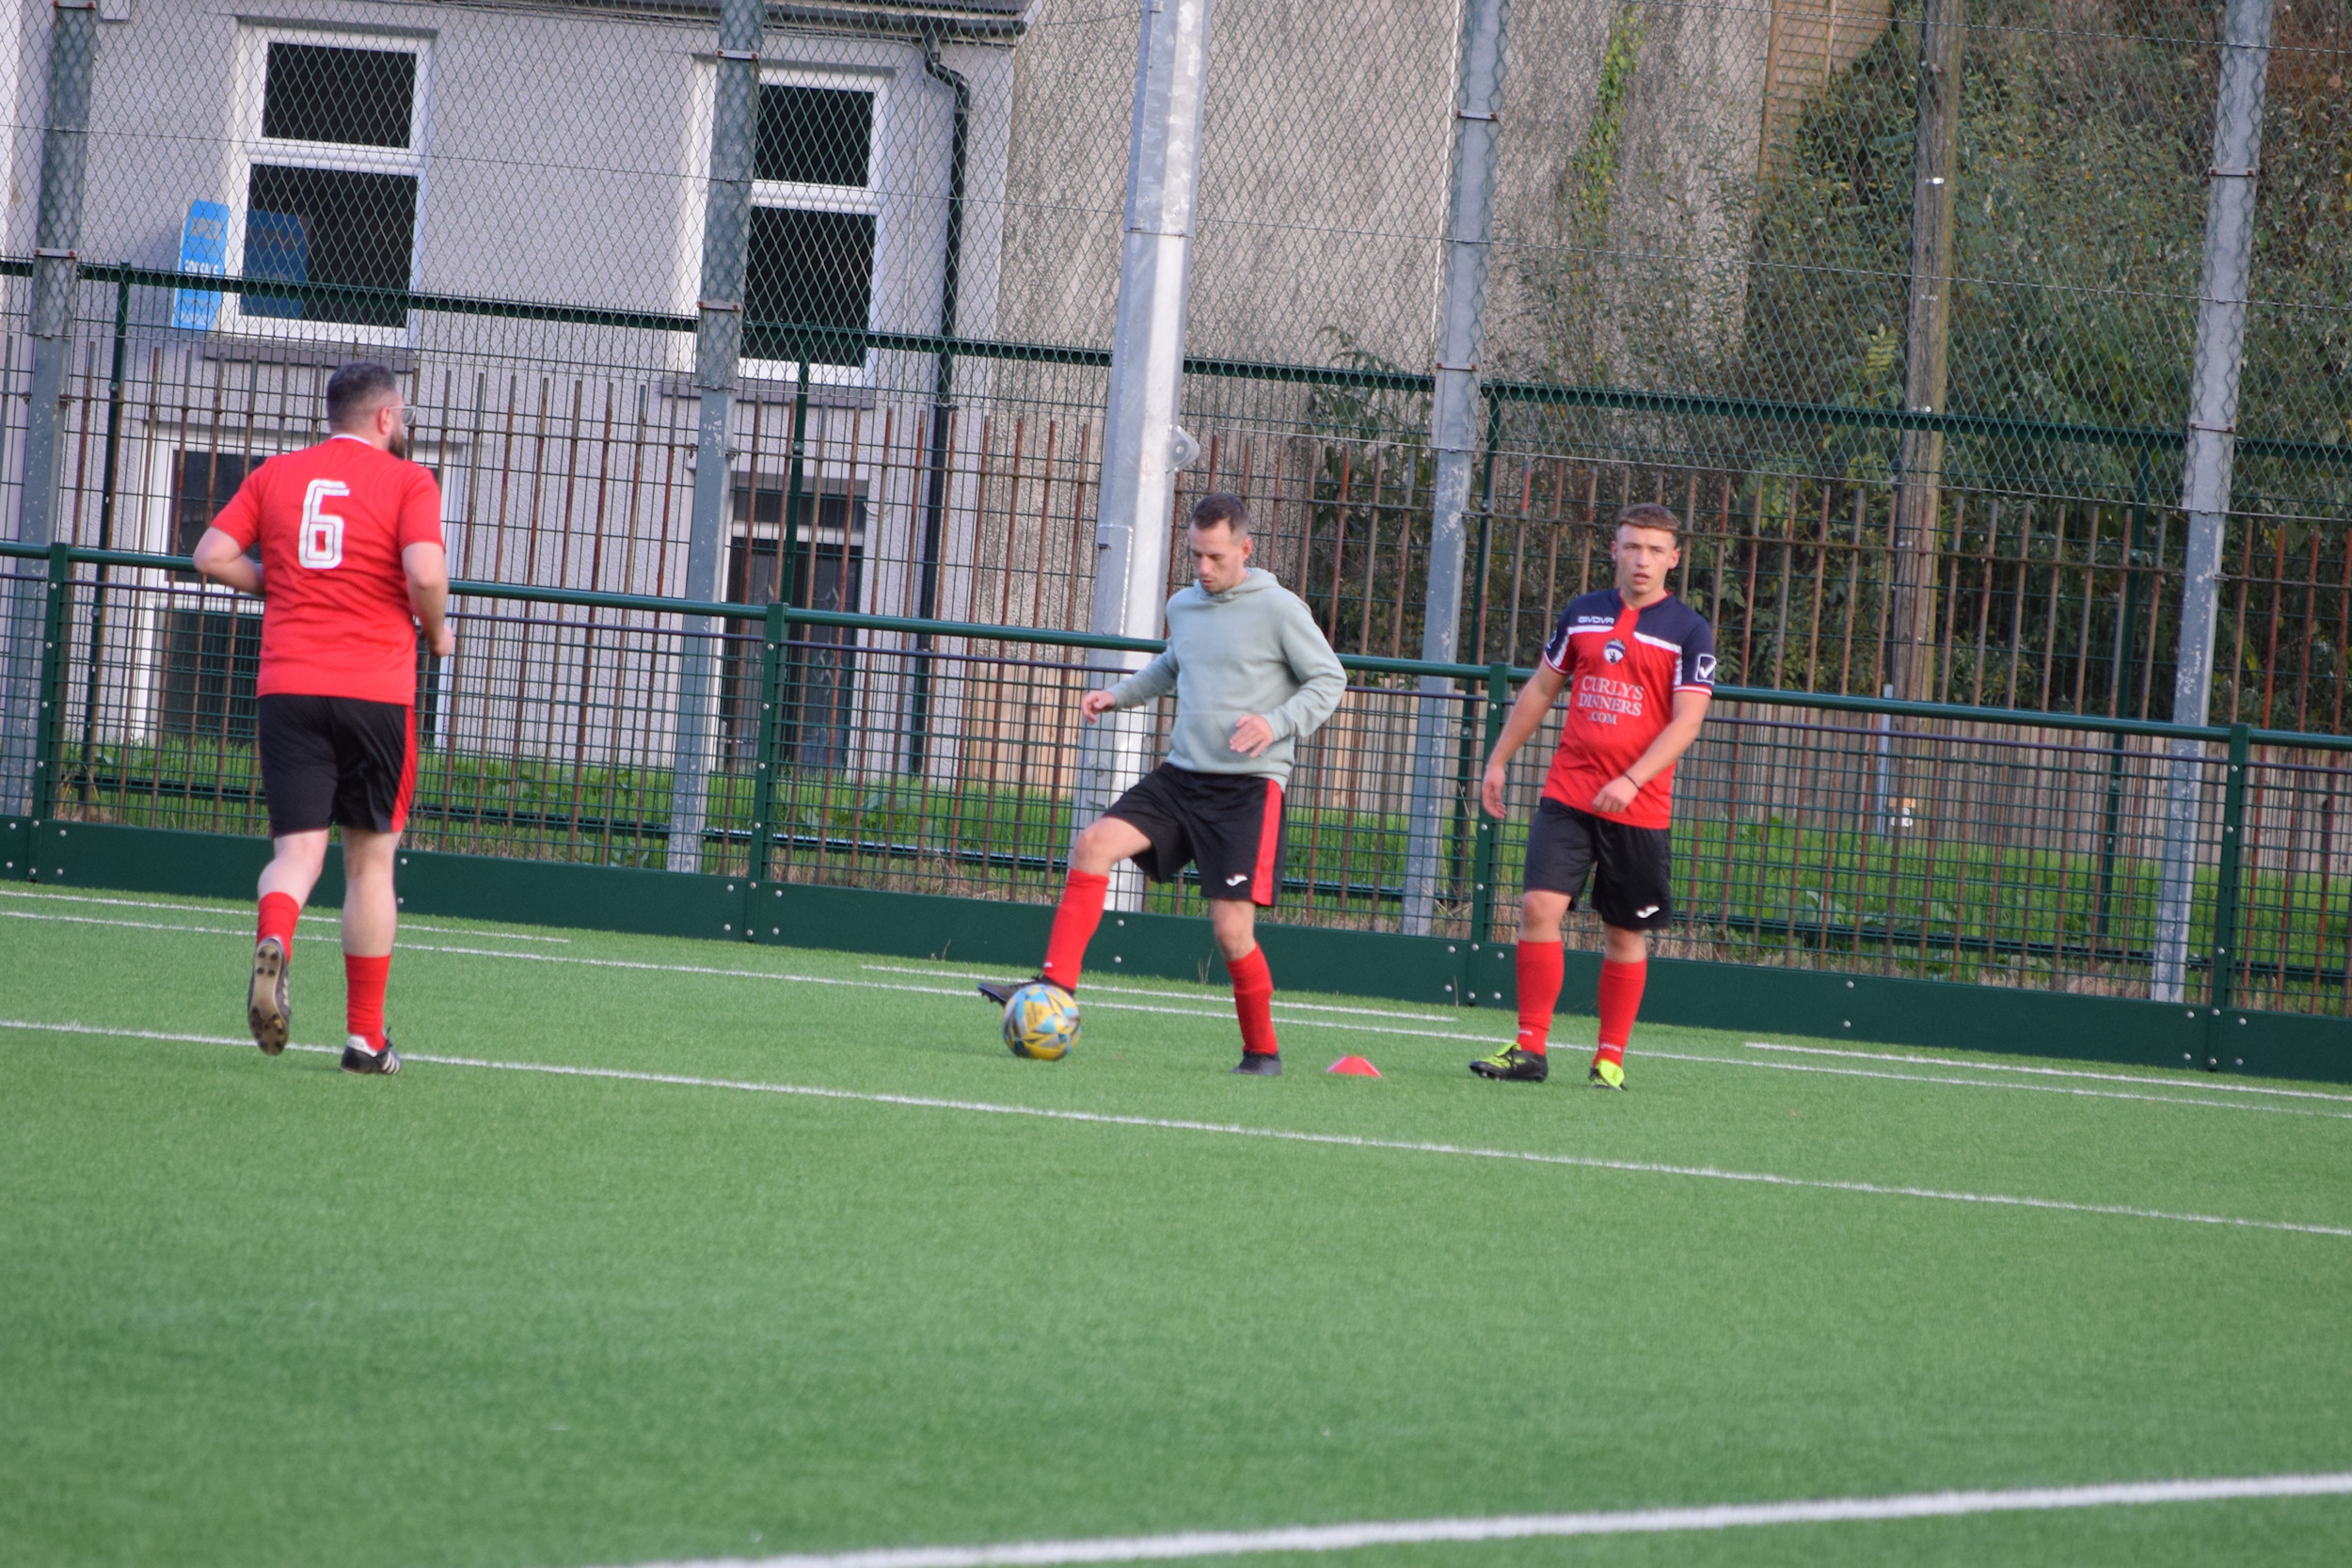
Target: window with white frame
{"points": [[809, 262], [325, 176]]}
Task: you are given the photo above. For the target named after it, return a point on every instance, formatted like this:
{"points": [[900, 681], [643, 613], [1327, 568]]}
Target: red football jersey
{"points": [[1623, 669], [332, 520]]}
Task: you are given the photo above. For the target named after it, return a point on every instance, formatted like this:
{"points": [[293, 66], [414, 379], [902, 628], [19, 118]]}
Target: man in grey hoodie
{"points": [[1252, 677]]}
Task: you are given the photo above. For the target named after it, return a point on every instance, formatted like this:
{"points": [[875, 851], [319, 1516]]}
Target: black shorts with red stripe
{"points": [[336, 762], [1632, 868], [1230, 825]]}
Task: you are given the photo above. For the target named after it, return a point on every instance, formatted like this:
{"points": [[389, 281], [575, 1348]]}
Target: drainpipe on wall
{"points": [[943, 403]]}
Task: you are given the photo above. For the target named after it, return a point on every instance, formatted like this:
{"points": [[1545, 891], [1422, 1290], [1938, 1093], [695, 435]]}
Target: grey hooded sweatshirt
{"points": [[1252, 649]]}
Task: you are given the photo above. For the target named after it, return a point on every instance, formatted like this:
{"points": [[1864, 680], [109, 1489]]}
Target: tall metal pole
{"points": [[57, 239], [1454, 436], [1143, 448], [1926, 341], [2237, 134], [718, 351]]}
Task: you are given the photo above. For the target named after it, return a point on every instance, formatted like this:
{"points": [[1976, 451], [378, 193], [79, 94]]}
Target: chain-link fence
{"points": [[1994, 353], [1704, 283]]}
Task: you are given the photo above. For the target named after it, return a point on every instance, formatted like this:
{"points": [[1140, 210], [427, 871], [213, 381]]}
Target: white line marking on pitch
{"points": [[1990, 1084], [405, 925], [246, 932], [1094, 986], [1220, 1016], [2045, 1072], [1522, 1527], [1235, 1130]]}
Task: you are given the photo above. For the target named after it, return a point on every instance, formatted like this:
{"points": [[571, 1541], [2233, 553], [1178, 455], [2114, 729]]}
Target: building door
{"points": [[820, 566]]}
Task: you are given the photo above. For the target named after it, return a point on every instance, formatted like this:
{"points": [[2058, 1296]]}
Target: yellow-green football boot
{"points": [[1511, 1065]]}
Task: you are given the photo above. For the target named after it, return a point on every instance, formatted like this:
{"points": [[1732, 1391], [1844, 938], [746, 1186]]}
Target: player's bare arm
{"points": [[1616, 796], [1527, 716], [221, 559], [427, 569]]}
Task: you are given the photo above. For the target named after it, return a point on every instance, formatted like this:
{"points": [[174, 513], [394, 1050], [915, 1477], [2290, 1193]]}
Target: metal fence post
{"points": [[2126, 689], [2225, 955], [1143, 448], [768, 750], [58, 235], [56, 607], [1927, 340], [1489, 830], [718, 351], [2237, 131], [1454, 430]]}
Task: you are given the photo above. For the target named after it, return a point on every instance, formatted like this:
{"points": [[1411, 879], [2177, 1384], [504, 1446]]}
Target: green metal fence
{"points": [[1814, 831], [579, 476]]}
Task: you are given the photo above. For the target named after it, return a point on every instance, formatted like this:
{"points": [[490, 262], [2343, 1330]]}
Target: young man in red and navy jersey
{"points": [[351, 562], [1639, 666]]}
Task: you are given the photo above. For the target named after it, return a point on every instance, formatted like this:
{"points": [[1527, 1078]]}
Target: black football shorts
{"points": [[1629, 867], [1230, 825], [336, 761]]}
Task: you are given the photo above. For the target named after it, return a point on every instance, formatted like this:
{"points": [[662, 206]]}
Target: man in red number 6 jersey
{"points": [[351, 562], [1639, 666]]}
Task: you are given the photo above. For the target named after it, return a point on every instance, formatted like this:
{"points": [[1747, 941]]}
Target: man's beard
{"points": [[399, 447]]}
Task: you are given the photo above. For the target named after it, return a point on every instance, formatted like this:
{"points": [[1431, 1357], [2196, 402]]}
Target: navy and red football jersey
{"points": [[1623, 668]]}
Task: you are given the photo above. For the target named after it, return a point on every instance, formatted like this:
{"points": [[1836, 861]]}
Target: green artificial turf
{"points": [[258, 1312]]}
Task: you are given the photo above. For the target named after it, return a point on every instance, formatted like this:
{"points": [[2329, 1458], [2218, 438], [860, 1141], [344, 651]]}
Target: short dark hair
{"points": [[356, 390], [1217, 509], [1651, 514]]}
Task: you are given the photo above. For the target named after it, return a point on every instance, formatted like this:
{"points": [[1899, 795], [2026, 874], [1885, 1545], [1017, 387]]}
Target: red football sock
{"points": [[1253, 1001], [364, 997], [1620, 1000], [1540, 964], [279, 913], [1074, 920]]}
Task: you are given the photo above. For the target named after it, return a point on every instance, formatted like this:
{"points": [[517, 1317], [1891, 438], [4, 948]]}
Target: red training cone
{"points": [[1354, 1067]]}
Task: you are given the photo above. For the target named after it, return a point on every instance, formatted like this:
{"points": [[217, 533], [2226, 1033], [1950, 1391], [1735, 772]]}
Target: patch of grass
{"points": [[258, 1312]]}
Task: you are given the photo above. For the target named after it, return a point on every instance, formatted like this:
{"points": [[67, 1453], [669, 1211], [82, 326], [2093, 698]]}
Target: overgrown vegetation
{"points": [[2084, 138]]}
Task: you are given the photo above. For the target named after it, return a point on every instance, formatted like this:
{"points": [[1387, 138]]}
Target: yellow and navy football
{"points": [[1042, 1021]]}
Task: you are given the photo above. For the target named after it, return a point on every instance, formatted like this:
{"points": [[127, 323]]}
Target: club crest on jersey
{"points": [[1613, 651]]}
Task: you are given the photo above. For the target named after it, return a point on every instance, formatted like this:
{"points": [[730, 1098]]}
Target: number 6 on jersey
{"points": [[320, 545]]}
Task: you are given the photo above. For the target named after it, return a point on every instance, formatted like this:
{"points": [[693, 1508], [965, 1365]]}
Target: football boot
{"points": [[267, 1007], [1000, 992], [1511, 1065], [358, 1058]]}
